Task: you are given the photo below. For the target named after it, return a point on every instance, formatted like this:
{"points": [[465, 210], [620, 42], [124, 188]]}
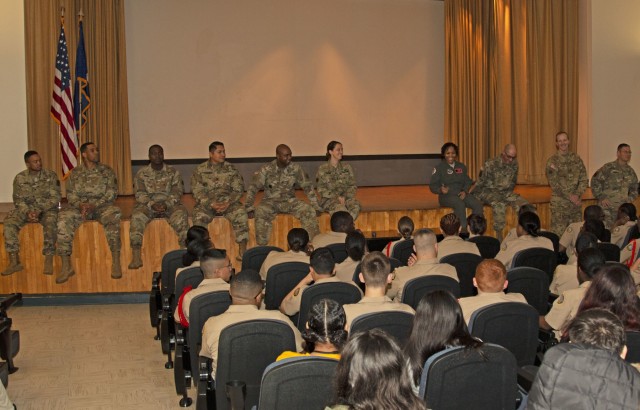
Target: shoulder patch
{"points": [[434, 171], [296, 292], [569, 229], [504, 247], [630, 246]]}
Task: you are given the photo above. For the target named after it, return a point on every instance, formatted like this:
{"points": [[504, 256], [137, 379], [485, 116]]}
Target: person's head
{"points": [[322, 263], [509, 154], [298, 238], [376, 270], [425, 243], [197, 233], [624, 153], [590, 260], [217, 153], [156, 155], [342, 221], [477, 224], [90, 152], [528, 224], [325, 325], [372, 374], [406, 227], [215, 263], [438, 323], [283, 155], [195, 249], [627, 210], [491, 276], [246, 288], [334, 150], [356, 245], [450, 224], [527, 208], [33, 161], [595, 227], [586, 240], [593, 212], [562, 141], [449, 152], [599, 328]]}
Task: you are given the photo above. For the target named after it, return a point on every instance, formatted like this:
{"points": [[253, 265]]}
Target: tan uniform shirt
{"points": [[346, 269], [455, 244], [193, 265], [565, 277], [508, 250], [512, 235], [276, 258], [482, 299], [328, 238], [566, 307], [404, 274], [569, 238], [619, 233], [372, 305], [206, 286], [629, 253], [291, 305]]}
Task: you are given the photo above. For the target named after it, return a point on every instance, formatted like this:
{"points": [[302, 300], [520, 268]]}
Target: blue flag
{"points": [[81, 96]]}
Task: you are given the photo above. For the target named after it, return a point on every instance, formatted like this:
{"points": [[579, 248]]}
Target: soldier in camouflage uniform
{"points": [[495, 186], [91, 191], [36, 195], [615, 183], [336, 183], [158, 189], [217, 187], [567, 177], [279, 180]]}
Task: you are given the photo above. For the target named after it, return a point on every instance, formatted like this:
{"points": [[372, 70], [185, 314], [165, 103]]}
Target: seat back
{"points": [[339, 251], [540, 258], [555, 239], [610, 251], [395, 263], [343, 293], [191, 276], [254, 257], [479, 379], [417, 288], [487, 245], [203, 307], [533, 284], [633, 346], [512, 325], [396, 323], [465, 264], [171, 261], [298, 383], [245, 350], [281, 279], [402, 251]]}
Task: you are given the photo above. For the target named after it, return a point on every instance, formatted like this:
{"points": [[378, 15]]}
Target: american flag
{"points": [[62, 106]]}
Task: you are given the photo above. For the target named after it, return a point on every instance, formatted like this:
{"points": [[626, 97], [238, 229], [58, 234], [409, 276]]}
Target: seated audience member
{"points": [[198, 242], [477, 225], [325, 335], [629, 254], [356, 245], [564, 277], [590, 372], [564, 308], [217, 270], [452, 243], [424, 263], [341, 225], [570, 235], [372, 374], [405, 228], [376, 275], [491, 281], [528, 230], [246, 295], [513, 234], [626, 219], [322, 270], [438, 325], [297, 240]]}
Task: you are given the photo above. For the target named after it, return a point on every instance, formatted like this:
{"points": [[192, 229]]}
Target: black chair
{"points": [[339, 251], [245, 350], [634, 233], [610, 251], [191, 276], [555, 239], [396, 323], [512, 325], [395, 263], [402, 251], [171, 261], [541, 258], [633, 346], [343, 293], [254, 257], [298, 383], [415, 289], [465, 264], [281, 279], [479, 379], [533, 284], [487, 245]]}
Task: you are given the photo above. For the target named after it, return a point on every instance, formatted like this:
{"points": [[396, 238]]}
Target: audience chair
{"points": [[610, 251], [254, 257], [540, 258], [633, 346], [417, 288], [487, 245], [343, 293], [9, 338], [555, 239], [634, 233], [395, 263], [396, 323], [298, 383], [339, 251], [402, 251], [465, 264], [171, 261], [533, 284], [191, 276], [281, 279]]}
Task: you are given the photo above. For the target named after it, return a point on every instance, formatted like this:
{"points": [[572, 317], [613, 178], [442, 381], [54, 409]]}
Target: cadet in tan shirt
{"points": [[627, 217], [491, 281], [297, 239], [356, 245], [376, 275], [423, 263], [341, 225], [452, 243], [570, 235], [528, 237], [565, 277]]}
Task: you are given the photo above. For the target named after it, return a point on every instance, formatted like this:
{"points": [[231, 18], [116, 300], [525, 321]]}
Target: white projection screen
{"points": [[255, 73]]}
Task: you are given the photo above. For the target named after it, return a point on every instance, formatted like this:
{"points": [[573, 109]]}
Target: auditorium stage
{"points": [[381, 209]]}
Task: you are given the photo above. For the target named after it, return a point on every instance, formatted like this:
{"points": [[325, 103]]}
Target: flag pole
{"points": [[80, 15]]}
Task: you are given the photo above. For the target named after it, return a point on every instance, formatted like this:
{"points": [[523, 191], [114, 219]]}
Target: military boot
{"points": [[242, 248], [136, 258], [116, 271], [14, 264], [48, 265], [67, 270]]}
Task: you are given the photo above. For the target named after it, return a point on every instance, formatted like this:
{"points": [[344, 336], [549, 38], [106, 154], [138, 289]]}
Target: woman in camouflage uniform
{"points": [[336, 183]]}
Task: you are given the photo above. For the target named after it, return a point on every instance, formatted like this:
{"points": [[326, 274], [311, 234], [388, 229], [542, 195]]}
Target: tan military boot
{"points": [[116, 271], [136, 258], [48, 265], [14, 264], [67, 270], [242, 248]]}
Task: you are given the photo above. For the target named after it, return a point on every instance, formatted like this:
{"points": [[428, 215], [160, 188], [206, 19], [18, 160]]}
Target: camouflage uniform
{"points": [[164, 187], [219, 183], [99, 188], [40, 193], [279, 197], [566, 175], [617, 183], [333, 182], [495, 188]]}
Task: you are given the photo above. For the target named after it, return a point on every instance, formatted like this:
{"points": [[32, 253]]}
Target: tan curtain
{"points": [[511, 76], [108, 117]]}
